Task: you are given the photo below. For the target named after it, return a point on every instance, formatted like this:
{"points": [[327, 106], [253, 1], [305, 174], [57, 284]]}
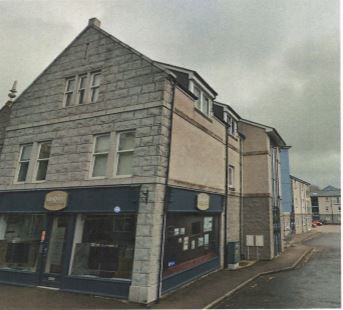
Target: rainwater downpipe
{"points": [[241, 217], [227, 127], [166, 199]]}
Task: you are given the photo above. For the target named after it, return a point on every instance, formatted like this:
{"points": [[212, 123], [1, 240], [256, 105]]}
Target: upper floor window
{"points": [[100, 155], [69, 92], [24, 161], [44, 149], [113, 154], [203, 101], [231, 178], [95, 87], [82, 89], [125, 150]]}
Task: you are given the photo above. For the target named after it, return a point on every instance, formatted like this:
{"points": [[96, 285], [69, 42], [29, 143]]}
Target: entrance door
{"points": [[54, 250]]}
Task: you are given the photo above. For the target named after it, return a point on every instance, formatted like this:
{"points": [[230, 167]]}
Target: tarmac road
{"points": [[314, 284]]}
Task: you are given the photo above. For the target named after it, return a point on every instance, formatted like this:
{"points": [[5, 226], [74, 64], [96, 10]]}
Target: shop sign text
{"points": [[56, 200], [203, 201]]}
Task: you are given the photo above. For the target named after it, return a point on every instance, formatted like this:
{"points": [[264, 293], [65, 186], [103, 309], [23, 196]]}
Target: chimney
{"points": [[94, 22]]}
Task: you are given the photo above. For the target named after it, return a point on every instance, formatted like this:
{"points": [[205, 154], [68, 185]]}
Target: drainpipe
{"points": [[227, 127], [166, 200], [241, 205]]}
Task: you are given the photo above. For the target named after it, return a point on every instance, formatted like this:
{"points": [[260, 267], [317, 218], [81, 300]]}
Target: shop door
{"points": [[54, 251]]}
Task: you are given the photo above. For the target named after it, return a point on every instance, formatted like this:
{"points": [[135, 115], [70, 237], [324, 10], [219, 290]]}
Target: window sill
{"points": [[203, 114], [122, 176]]}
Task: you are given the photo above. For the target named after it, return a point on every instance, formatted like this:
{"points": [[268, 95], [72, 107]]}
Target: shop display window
{"points": [[104, 246], [20, 240], [190, 240]]}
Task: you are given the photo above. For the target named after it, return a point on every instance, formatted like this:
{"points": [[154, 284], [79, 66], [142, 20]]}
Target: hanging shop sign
{"points": [[203, 201], [56, 200]]}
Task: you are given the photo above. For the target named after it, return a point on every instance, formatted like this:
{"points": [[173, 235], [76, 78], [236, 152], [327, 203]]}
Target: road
{"points": [[314, 284]]}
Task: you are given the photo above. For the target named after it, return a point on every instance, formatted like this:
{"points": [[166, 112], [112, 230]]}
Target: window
{"points": [[87, 86], [231, 178], [95, 87], [43, 160], [198, 94], [24, 161], [203, 103], [337, 200], [125, 150], [20, 241], [100, 155], [104, 246], [191, 240], [82, 89], [69, 92]]}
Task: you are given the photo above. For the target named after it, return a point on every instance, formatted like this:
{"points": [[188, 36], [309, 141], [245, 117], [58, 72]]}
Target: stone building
{"points": [[262, 233], [326, 205], [301, 205], [114, 175]]}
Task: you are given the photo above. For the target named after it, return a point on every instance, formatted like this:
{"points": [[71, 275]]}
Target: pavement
{"points": [[203, 293]]}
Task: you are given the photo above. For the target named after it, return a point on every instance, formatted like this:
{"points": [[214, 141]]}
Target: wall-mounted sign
{"points": [[203, 201], [259, 240], [56, 200], [116, 209]]}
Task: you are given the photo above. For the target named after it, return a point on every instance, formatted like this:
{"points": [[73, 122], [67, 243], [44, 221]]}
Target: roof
{"points": [[272, 132], [189, 71], [229, 108], [330, 188], [336, 193], [299, 180]]}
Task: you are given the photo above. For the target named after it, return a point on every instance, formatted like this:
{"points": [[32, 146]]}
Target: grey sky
{"points": [[275, 62]]}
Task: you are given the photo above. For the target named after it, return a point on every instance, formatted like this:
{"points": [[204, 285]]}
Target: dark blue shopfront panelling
{"points": [[173, 281], [113, 288], [79, 200], [18, 277], [182, 200]]}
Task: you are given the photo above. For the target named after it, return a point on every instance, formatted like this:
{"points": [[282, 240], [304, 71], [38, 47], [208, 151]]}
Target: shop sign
{"points": [[56, 200], [203, 201]]}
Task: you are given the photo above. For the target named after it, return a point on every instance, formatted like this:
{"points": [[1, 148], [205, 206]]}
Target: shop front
{"points": [[76, 239], [192, 236]]}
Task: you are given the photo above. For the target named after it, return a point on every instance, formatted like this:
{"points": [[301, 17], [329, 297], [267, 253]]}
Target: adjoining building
{"points": [[262, 233], [326, 205], [301, 205]]}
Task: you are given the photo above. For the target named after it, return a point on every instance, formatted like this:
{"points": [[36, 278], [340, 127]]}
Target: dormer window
{"points": [[203, 101]]}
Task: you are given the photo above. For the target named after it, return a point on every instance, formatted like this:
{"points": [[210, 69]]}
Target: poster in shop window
{"points": [[206, 239], [200, 241], [208, 221], [193, 245], [185, 244]]}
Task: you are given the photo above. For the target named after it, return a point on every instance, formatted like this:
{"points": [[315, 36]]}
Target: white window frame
{"points": [[91, 168], [38, 160], [85, 89], [92, 86], [118, 152], [23, 161], [231, 173], [72, 92], [88, 89], [200, 102]]}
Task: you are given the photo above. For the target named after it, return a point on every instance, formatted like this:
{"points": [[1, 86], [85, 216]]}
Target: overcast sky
{"points": [[275, 62]]}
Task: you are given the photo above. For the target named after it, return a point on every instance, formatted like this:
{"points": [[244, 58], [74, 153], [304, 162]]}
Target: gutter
{"points": [[166, 200]]}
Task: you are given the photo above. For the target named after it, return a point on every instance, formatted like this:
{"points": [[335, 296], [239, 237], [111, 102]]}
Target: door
{"points": [[54, 250]]}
